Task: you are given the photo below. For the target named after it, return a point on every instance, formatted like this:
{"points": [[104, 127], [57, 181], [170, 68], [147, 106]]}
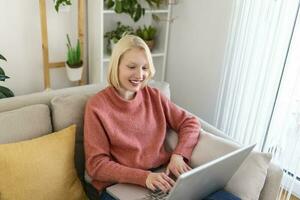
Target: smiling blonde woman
{"points": [[125, 125]]}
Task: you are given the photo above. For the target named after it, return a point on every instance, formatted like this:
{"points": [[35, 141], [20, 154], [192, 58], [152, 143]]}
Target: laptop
{"points": [[195, 184]]}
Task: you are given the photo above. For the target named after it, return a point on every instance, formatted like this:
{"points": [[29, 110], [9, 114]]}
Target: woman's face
{"points": [[133, 71]]}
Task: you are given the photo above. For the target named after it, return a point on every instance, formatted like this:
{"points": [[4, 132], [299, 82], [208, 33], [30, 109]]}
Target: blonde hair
{"points": [[126, 43]]}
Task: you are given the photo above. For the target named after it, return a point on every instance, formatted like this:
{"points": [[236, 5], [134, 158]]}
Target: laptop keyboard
{"points": [[156, 195]]}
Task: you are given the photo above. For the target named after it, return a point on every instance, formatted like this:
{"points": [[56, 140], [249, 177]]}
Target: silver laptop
{"points": [[193, 185]]}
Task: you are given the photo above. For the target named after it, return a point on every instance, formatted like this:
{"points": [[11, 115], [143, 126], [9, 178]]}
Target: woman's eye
{"points": [[145, 68], [131, 66]]}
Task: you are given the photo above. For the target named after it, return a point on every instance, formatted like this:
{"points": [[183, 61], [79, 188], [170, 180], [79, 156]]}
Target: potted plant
{"points": [[62, 3], [4, 91], [115, 35], [131, 7], [74, 64], [147, 33]]}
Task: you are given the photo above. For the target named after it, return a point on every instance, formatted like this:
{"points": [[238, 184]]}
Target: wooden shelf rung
{"points": [[56, 64]]}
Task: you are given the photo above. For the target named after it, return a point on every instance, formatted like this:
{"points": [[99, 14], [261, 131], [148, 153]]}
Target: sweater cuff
{"points": [[139, 177], [186, 153]]}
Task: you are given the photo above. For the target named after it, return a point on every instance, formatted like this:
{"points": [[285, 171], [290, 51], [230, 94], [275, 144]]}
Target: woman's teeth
{"points": [[135, 81]]}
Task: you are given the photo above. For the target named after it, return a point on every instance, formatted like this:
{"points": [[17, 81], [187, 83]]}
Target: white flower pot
{"points": [[74, 74]]}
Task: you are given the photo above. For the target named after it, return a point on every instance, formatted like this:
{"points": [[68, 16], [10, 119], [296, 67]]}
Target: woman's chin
{"points": [[134, 87]]}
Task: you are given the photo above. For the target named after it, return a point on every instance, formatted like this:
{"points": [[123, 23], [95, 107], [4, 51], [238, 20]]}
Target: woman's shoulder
{"points": [[100, 97], [155, 92], [152, 90]]}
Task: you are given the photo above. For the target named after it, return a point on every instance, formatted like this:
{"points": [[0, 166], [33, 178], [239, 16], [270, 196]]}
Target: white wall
{"points": [[20, 43], [196, 49]]}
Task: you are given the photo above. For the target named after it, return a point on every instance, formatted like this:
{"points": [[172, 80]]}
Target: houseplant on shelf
{"points": [[74, 64], [147, 33], [4, 91], [115, 35], [59, 3], [131, 7]]}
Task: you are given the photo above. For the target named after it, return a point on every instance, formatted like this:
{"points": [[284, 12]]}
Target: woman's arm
{"points": [[186, 126]]}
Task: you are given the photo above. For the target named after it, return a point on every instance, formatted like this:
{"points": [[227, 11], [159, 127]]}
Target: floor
{"points": [[292, 197]]}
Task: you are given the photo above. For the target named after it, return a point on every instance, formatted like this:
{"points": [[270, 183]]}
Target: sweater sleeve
{"points": [[99, 164], [186, 126]]}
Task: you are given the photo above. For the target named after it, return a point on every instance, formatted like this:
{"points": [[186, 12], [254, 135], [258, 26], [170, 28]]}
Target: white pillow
{"points": [[249, 179], [211, 147]]}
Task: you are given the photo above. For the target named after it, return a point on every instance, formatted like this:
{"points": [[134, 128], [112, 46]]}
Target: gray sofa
{"points": [[24, 118]]}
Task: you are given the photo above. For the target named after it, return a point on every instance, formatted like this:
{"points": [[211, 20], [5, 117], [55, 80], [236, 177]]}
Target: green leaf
{"points": [[118, 7], [2, 57], [73, 54], [137, 14], [6, 92], [150, 3], [58, 3], [2, 75], [2, 71], [126, 6], [78, 52], [110, 4], [2, 96]]}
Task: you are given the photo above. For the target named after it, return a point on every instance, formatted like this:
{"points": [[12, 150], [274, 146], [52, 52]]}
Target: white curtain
{"points": [[254, 62], [283, 138]]}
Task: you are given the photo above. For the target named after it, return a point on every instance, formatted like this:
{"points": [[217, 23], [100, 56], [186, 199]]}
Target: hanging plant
{"points": [[59, 3], [4, 91]]}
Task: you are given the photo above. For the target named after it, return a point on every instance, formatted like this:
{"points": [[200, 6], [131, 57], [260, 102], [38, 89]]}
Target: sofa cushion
{"points": [[25, 123], [211, 147], [41, 168], [249, 179], [163, 87], [67, 110]]}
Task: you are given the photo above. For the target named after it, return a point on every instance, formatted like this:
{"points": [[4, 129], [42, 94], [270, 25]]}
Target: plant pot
{"points": [[151, 44], [74, 74]]}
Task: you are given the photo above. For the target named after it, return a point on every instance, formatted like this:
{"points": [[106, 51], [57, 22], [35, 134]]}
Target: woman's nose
{"points": [[140, 73]]}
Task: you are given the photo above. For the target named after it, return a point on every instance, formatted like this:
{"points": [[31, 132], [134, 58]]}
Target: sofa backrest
{"points": [[30, 116]]}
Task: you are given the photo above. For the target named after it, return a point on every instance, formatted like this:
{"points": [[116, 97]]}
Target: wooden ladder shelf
{"points": [[48, 65]]}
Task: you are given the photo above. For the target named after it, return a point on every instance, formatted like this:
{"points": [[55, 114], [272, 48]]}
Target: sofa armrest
{"points": [[272, 183], [271, 187]]}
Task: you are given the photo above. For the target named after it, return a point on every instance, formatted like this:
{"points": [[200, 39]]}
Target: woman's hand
{"points": [[177, 165], [160, 181]]}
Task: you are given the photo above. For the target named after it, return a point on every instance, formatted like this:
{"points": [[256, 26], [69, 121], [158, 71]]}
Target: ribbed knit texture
{"points": [[124, 139]]}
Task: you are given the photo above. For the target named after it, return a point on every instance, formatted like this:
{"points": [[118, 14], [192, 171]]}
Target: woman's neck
{"points": [[125, 94]]}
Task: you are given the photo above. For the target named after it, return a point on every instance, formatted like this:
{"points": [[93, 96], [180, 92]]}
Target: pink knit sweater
{"points": [[124, 139]]}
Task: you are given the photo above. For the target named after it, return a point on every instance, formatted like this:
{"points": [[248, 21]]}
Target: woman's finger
{"points": [[160, 186], [175, 172], [186, 168], [167, 178], [168, 171], [165, 182], [181, 169], [152, 187], [189, 168]]}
